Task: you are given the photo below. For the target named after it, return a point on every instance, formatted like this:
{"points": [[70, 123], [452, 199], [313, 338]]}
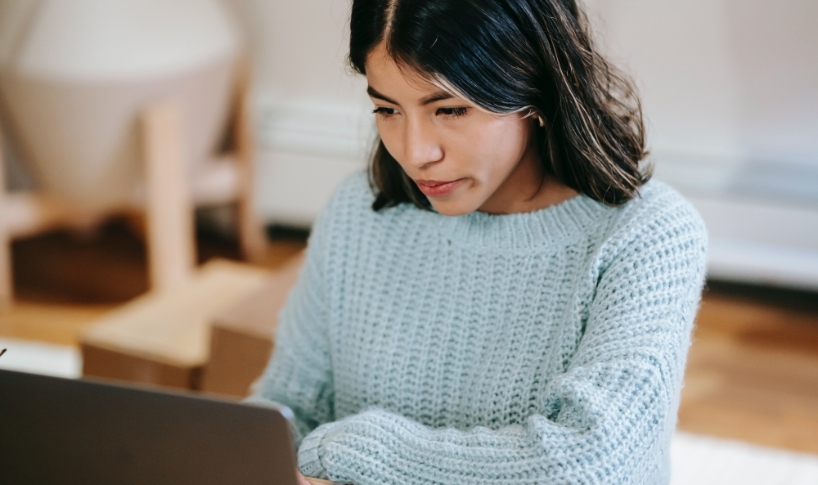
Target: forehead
{"points": [[387, 76]]}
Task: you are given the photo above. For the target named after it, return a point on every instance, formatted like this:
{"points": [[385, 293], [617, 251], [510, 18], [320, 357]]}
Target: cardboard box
{"points": [[242, 337], [163, 338]]}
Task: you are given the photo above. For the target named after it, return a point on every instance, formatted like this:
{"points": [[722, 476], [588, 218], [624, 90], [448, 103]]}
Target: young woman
{"points": [[504, 297]]}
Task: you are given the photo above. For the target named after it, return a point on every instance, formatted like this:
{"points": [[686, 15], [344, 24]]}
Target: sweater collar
{"points": [[542, 227]]}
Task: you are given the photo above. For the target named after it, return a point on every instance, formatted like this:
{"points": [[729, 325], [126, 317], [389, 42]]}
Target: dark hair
{"points": [[507, 56]]}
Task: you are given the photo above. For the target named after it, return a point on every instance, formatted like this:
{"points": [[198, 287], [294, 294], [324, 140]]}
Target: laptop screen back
{"points": [[62, 431]]}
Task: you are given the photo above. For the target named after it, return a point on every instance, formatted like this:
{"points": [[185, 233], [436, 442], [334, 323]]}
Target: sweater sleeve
{"points": [[299, 373], [601, 421]]}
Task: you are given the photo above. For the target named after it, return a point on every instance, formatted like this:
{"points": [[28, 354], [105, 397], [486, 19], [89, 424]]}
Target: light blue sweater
{"points": [[538, 348]]}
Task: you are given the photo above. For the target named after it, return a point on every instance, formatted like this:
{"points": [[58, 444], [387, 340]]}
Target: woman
{"points": [[505, 297]]}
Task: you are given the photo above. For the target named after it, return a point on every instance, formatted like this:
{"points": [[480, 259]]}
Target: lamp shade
{"points": [[76, 75]]}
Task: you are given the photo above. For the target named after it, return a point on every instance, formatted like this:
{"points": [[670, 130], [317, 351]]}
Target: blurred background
{"points": [[124, 121]]}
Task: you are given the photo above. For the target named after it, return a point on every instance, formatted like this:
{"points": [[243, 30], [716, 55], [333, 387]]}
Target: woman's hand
{"points": [[301, 479]]}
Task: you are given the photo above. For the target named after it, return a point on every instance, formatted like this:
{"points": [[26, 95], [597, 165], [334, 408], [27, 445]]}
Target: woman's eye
{"points": [[384, 111], [453, 112]]}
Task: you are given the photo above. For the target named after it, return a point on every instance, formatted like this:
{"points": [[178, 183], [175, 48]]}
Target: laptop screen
{"points": [[63, 431]]}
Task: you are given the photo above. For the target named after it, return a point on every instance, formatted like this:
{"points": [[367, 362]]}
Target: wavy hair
{"points": [[509, 56]]}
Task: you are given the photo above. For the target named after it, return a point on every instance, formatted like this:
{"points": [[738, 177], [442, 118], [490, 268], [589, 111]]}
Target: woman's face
{"points": [[464, 159]]}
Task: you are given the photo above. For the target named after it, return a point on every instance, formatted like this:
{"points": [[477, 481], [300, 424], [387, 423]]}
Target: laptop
{"points": [[64, 431]]}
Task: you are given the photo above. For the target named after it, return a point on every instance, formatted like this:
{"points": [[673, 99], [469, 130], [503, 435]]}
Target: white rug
{"points": [[697, 460], [702, 460], [40, 358]]}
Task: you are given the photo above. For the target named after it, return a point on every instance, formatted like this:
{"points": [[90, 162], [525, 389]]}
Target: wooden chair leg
{"points": [[170, 223], [6, 280], [251, 234]]}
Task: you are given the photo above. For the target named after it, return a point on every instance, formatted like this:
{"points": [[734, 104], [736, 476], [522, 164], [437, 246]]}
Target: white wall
{"points": [[677, 53], [312, 112], [722, 78], [300, 50]]}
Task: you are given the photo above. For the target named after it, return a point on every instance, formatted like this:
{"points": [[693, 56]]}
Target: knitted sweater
{"points": [[532, 348]]}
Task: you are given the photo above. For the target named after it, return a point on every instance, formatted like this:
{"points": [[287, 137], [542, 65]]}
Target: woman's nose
{"points": [[422, 146]]}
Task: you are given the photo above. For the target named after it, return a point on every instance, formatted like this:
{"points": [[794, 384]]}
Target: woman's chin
{"points": [[452, 208]]}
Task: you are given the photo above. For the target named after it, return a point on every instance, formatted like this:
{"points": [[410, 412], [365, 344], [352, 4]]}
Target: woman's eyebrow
{"points": [[371, 91], [432, 98]]}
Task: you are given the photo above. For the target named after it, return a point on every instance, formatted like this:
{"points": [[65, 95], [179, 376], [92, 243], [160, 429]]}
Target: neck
{"points": [[528, 188]]}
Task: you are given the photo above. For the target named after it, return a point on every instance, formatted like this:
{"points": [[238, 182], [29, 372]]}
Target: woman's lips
{"points": [[434, 188]]}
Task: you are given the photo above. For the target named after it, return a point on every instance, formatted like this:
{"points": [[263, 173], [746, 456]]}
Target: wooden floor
{"points": [[752, 370]]}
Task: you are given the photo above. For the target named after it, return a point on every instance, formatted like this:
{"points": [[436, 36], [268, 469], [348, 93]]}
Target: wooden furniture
{"points": [[242, 337], [165, 202], [162, 338], [6, 284]]}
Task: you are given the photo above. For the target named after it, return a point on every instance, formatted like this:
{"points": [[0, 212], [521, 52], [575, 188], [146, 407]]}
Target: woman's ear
{"points": [[539, 117]]}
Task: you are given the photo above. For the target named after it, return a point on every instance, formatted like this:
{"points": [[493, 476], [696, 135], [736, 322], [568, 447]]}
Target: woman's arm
{"points": [[602, 421], [299, 373]]}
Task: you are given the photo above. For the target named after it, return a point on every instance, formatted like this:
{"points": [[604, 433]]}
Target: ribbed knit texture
{"points": [[538, 348]]}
